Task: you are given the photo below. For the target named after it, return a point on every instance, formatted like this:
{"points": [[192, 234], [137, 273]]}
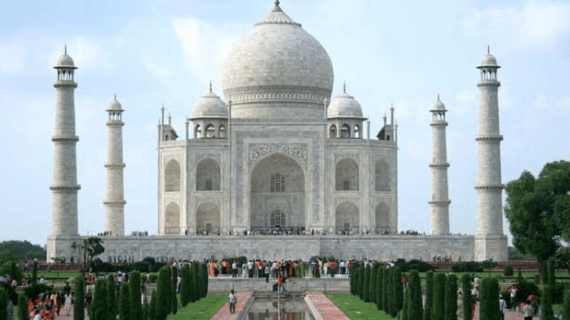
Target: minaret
{"points": [[490, 243], [64, 187], [439, 203], [115, 196]]}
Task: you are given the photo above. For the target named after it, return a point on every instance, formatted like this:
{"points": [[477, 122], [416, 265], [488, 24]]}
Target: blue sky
{"points": [[149, 52]]}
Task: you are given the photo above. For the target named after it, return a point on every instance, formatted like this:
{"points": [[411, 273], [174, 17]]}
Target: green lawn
{"points": [[203, 309], [61, 274], [354, 308]]}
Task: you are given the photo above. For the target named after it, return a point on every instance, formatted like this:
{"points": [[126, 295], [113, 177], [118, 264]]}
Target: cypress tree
{"points": [[466, 286], [190, 286], [429, 296], [112, 308], [361, 277], [197, 292], [366, 293], [174, 297], [438, 310], [351, 282], [22, 306], [391, 310], [385, 291], [79, 304], [124, 302], [184, 296], [378, 296], [397, 291], [3, 304], [204, 275], [356, 275], [145, 308], [451, 297], [372, 285], [97, 308], [135, 295], [544, 272], [546, 302], [414, 302], [566, 305], [551, 273], [152, 307], [35, 273], [163, 303], [489, 299]]}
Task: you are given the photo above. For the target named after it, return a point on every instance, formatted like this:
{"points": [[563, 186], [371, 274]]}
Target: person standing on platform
{"points": [[233, 302]]}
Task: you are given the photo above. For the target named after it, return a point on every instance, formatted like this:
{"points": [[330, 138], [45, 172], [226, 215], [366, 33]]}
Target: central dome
{"points": [[277, 71]]}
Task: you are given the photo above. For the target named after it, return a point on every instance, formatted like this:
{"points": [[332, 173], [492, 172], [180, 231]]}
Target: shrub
{"points": [[204, 278], [508, 270], [406, 266], [566, 305], [124, 302], [361, 277], [378, 287], [397, 291], [366, 282], [372, 285], [135, 295], [469, 266], [184, 296], [451, 297], [174, 299], [385, 291], [79, 303], [438, 310], [429, 296], [98, 306], [197, 292], [10, 268], [390, 305], [152, 307], [466, 288], [489, 299], [546, 302], [414, 300], [3, 304], [526, 288], [153, 277], [163, 303], [558, 293], [22, 307], [111, 298]]}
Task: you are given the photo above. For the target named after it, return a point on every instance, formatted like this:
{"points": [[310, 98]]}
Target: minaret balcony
{"points": [[65, 84], [489, 138], [488, 83]]}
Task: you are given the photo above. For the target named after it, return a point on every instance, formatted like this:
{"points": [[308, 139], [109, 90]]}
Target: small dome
{"points": [[211, 106], [65, 61], [344, 106], [438, 105], [115, 105], [489, 61]]}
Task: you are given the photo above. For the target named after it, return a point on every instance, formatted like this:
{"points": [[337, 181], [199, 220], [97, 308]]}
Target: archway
{"points": [[277, 183], [332, 132], [208, 175], [382, 216], [347, 218], [208, 219], [172, 219], [346, 175]]}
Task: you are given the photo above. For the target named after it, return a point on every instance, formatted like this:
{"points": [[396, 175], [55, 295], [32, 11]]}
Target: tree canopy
{"points": [[20, 250], [538, 209]]}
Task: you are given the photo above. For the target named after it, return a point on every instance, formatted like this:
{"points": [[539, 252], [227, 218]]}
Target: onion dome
{"points": [[211, 106], [344, 106], [115, 105], [65, 61], [489, 61], [438, 105], [278, 61]]}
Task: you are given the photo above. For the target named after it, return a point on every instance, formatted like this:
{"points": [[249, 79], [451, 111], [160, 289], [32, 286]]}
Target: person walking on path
{"points": [[502, 307], [267, 272], [233, 302], [528, 311]]}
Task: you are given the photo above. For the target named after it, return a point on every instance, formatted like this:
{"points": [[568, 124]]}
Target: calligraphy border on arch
{"points": [[297, 151]]}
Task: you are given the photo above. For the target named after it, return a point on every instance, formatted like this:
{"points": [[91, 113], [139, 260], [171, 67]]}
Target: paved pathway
{"points": [[509, 315], [224, 312], [326, 308]]}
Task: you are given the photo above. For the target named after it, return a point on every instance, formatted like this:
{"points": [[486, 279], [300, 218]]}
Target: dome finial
{"points": [[488, 49], [438, 97], [65, 49], [344, 86], [210, 86], [277, 2], [115, 96]]}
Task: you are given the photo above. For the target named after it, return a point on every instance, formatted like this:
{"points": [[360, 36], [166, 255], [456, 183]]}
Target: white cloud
{"points": [[204, 46], [162, 74], [543, 102], [535, 25], [11, 57]]}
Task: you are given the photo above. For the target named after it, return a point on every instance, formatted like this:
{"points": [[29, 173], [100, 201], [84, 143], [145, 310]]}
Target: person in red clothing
{"points": [[280, 284]]}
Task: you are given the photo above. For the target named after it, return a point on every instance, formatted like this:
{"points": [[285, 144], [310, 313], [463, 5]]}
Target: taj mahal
{"points": [[277, 167]]}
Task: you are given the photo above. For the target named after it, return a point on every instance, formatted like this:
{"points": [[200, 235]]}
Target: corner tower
{"points": [[115, 195], [490, 242], [439, 203], [64, 186]]}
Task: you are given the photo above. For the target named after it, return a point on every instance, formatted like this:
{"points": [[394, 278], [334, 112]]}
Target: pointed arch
{"points": [[345, 131], [208, 218], [332, 131], [208, 175], [172, 219], [172, 176], [347, 217], [382, 215], [210, 131], [347, 175]]}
